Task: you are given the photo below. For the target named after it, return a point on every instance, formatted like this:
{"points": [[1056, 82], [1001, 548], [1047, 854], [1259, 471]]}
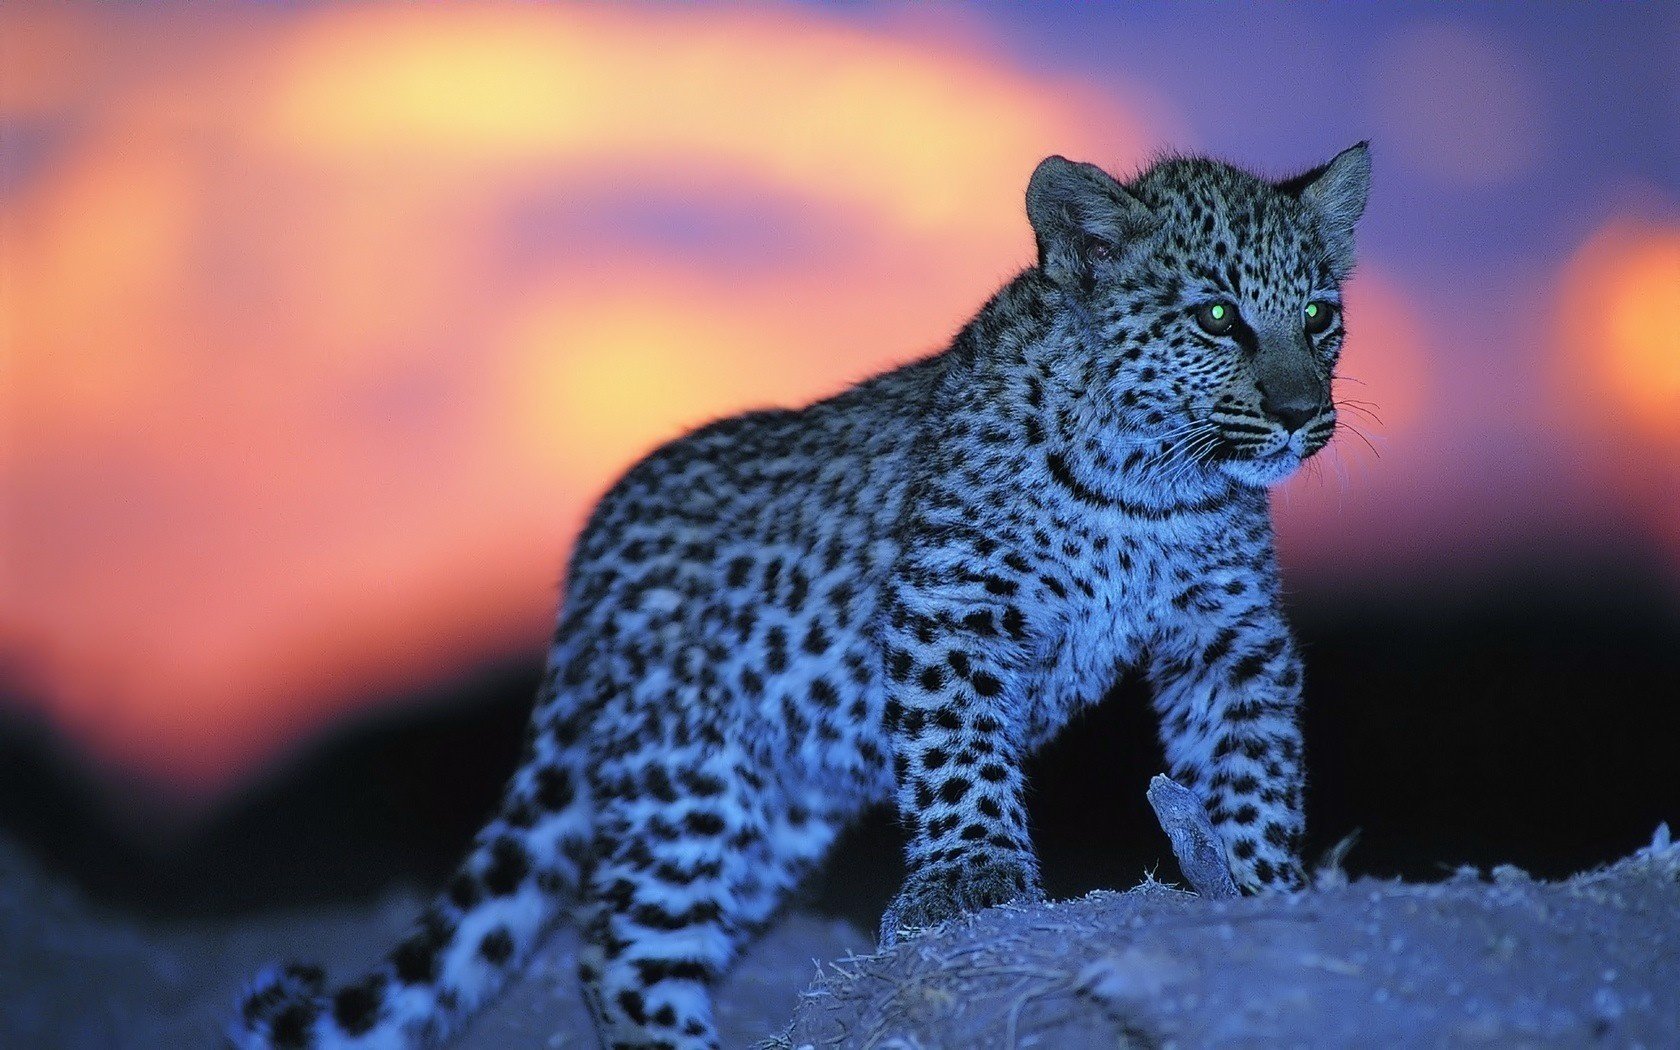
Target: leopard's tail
{"points": [[522, 869]]}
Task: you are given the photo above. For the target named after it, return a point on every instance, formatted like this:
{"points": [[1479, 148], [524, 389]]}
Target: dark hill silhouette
{"points": [[386, 799], [1531, 726]]}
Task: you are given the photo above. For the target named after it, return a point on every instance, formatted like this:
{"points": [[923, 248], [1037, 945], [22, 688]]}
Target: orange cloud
{"points": [[932, 139], [1617, 380], [1620, 312], [309, 403]]}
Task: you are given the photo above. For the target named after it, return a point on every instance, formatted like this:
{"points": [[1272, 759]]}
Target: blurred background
{"points": [[324, 326]]}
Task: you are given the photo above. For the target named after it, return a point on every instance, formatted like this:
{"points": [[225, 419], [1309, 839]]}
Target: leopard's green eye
{"points": [[1217, 317], [1320, 314]]}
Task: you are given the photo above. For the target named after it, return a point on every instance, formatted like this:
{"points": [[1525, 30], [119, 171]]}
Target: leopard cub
{"points": [[898, 593]]}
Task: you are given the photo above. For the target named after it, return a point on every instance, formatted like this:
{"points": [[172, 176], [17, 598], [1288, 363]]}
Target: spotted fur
{"points": [[898, 593]]}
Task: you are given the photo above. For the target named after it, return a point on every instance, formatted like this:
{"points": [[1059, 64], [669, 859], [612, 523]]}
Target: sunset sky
{"points": [[325, 325]]}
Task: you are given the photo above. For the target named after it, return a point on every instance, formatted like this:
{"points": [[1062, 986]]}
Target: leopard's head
{"points": [[1209, 298]]}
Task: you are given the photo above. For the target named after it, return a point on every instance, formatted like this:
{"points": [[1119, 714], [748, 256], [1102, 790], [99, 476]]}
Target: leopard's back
{"points": [[731, 577]]}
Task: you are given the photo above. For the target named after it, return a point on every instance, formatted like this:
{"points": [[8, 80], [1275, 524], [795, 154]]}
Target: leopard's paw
{"points": [[934, 894]]}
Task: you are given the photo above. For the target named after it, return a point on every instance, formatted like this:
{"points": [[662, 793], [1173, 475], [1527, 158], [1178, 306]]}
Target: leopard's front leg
{"points": [[953, 655], [1228, 690]]}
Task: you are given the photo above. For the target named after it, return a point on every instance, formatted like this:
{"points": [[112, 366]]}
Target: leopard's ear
{"points": [[1336, 192], [1076, 209]]}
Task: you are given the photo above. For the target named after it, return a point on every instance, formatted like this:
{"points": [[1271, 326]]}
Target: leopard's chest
{"points": [[1102, 637]]}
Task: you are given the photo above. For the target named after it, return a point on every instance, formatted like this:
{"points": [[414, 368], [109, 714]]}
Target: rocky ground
{"points": [[1497, 960], [1506, 961], [71, 977]]}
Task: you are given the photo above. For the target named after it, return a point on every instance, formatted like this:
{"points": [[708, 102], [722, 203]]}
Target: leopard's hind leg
{"points": [[693, 859]]}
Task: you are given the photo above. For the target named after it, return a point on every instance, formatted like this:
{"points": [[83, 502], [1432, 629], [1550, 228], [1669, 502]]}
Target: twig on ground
{"points": [[1201, 855]]}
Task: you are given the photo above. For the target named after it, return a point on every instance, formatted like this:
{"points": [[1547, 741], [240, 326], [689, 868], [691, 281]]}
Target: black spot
{"points": [[497, 946], [291, 1025], [659, 784], [891, 714], [464, 891], [799, 587], [655, 917], [356, 1006], [1247, 668], [652, 971], [509, 864], [986, 685], [703, 822], [775, 650], [416, 959], [630, 1001], [816, 639], [1220, 645], [953, 789], [703, 785], [554, 788], [1014, 623]]}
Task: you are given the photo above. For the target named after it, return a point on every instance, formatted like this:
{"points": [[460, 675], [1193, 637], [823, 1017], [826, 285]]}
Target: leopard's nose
{"points": [[1291, 413], [1291, 392]]}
